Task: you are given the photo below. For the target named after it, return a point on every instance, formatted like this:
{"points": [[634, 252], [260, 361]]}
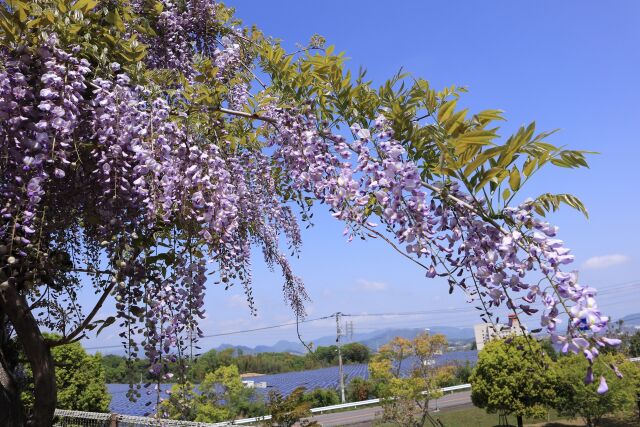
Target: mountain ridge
{"points": [[373, 339]]}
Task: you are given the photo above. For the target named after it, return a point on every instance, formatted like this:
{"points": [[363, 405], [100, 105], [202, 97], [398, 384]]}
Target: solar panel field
{"points": [[285, 383]]}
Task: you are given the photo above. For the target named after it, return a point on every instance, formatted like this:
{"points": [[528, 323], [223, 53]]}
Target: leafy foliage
{"points": [[575, 398], [290, 410], [221, 396], [119, 371], [80, 380], [513, 376], [406, 399]]}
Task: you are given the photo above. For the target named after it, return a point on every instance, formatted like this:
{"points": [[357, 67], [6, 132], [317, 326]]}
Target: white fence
{"points": [[349, 405]]}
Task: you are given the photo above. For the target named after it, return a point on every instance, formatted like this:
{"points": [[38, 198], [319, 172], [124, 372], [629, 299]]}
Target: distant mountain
{"points": [[452, 334], [631, 320], [373, 339]]}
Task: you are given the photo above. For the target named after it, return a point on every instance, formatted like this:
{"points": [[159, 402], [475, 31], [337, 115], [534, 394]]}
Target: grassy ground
{"points": [[474, 417]]}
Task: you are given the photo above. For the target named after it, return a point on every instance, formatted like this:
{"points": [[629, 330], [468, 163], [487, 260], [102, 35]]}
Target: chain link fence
{"points": [[65, 418]]}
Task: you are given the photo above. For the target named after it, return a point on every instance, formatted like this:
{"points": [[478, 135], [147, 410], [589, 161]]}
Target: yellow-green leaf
{"points": [[529, 166], [446, 110], [115, 19], [505, 194], [84, 5], [514, 179]]}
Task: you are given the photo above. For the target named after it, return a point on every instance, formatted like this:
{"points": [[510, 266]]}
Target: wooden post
{"points": [[113, 420]]}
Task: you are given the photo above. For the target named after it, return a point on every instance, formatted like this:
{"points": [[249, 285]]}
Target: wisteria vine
{"points": [[104, 173], [443, 226]]}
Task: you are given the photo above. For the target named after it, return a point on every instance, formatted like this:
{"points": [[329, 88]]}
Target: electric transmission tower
{"points": [[349, 330]]}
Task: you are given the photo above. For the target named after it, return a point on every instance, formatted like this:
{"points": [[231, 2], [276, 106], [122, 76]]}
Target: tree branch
{"points": [[246, 115], [80, 328], [393, 245]]}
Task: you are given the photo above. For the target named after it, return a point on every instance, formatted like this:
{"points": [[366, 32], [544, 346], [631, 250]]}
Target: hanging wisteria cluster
{"points": [[516, 263], [161, 202], [104, 173]]}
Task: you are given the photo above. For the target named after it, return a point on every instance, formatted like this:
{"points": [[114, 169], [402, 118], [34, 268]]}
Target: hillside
{"points": [[373, 339]]}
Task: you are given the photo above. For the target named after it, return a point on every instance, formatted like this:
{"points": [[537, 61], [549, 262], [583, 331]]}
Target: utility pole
{"points": [[338, 335]]}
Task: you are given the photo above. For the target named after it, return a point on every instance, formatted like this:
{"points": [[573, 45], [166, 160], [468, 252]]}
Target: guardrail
{"points": [[322, 409], [634, 359]]}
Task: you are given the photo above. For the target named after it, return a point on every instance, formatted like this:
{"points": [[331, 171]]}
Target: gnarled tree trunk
{"points": [[11, 410], [16, 309]]}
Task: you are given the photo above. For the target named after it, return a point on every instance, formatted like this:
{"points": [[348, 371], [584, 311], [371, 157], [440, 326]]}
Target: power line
{"points": [[610, 291], [410, 313], [243, 331]]}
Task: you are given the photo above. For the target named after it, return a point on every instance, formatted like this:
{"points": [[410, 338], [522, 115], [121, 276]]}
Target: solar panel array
{"points": [[285, 383]]}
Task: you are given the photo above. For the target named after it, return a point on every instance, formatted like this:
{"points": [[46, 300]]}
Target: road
{"points": [[367, 415]]}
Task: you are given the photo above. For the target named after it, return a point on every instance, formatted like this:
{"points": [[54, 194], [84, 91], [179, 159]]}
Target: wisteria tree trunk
{"points": [[15, 309], [11, 410]]}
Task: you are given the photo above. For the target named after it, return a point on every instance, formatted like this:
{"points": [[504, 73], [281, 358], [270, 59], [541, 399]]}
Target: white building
{"points": [[485, 332]]}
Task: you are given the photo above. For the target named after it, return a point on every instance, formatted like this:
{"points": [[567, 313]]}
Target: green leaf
{"points": [[107, 322], [488, 115], [551, 202], [20, 9], [482, 137], [506, 194], [115, 19], [137, 311], [529, 166], [446, 110], [492, 173], [514, 179], [84, 5]]}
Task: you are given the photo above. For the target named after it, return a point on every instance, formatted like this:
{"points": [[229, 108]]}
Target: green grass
{"points": [[474, 417]]}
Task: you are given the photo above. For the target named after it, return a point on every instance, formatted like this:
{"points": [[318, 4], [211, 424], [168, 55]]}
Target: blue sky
{"points": [[571, 65]]}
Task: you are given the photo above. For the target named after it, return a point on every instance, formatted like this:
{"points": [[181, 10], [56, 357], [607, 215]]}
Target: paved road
{"points": [[367, 415]]}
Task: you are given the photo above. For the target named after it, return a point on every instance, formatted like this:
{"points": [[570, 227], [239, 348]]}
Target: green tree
{"points": [[356, 353], [402, 395], [633, 346], [221, 396], [322, 397], [547, 347], [80, 380], [360, 389], [512, 377], [574, 398], [287, 411], [328, 355], [461, 374], [114, 368]]}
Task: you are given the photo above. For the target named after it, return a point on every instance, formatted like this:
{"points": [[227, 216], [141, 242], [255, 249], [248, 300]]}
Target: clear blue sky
{"points": [[572, 65]]}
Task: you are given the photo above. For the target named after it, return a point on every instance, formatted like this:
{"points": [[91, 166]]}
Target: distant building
{"points": [[254, 384], [486, 332]]}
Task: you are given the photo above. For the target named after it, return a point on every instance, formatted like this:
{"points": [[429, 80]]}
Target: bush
{"points": [[321, 397], [574, 398], [360, 389], [512, 377], [356, 353]]}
